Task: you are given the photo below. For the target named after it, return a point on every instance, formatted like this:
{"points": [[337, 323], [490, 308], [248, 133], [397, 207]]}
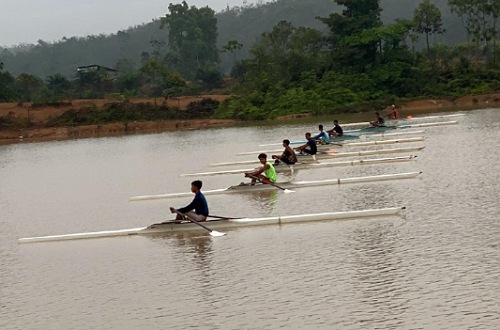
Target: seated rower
{"points": [[379, 121], [266, 173], [337, 130], [310, 146], [197, 209], [322, 136], [394, 114], [288, 156]]}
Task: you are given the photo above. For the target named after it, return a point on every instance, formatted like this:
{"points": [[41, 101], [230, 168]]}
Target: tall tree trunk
{"points": [[427, 40]]}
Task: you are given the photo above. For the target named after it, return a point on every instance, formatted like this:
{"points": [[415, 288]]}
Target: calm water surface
{"points": [[435, 267]]}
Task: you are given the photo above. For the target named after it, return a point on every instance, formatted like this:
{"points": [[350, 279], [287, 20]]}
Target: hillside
{"points": [[244, 24]]}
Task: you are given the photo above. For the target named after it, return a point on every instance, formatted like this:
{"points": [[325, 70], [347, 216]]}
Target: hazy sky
{"points": [[27, 21]]}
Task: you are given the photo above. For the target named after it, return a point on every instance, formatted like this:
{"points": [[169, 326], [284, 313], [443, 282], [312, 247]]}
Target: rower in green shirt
{"points": [[266, 173]]}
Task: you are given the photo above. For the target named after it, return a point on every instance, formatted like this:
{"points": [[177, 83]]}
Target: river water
{"points": [[435, 267]]}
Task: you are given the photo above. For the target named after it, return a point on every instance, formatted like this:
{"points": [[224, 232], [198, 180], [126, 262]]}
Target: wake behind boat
{"points": [[247, 187], [219, 224]]}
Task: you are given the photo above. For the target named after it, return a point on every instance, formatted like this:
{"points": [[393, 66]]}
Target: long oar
{"points": [[221, 217], [287, 191], [212, 232]]}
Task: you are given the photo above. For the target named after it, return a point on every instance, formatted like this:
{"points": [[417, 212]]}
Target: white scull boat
{"points": [[301, 166], [348, 144], [404, 126], [218, 224], [286, 185], [363, 123], [367, 131], [332, 154], [364, 136]]}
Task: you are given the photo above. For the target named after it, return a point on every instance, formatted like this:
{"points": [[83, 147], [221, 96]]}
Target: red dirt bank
{"points": [[38, 116]]}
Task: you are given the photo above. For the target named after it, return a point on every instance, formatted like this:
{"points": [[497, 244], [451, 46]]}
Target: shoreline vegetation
{"points": [[41, 122]]}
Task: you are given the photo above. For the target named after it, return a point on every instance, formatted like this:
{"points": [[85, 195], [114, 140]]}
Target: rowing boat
{"points": [[247, 187], [406, 119], [385, 128], [332, 154], [350, 144], [368, 130], [364, 136], [232, 223], [302, 166]]}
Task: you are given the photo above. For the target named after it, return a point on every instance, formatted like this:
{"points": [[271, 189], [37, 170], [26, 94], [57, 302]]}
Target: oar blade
{"points": [[216, 233], [288, 191]]}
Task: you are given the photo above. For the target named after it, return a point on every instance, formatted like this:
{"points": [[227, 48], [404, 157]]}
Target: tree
{"points": [[359, 15], [192, 38], [231, 47], [427, 20], [479, 16], [58, 84], [7, 92], [155, 73], [128, 79], [28, 85]]}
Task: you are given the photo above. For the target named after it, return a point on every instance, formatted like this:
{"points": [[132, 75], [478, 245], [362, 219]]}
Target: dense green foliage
{"points": [[288, 56], [128, 112]]}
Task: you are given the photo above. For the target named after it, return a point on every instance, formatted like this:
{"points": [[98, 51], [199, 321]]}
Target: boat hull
{"points": [[220, 224], [305, 158], [286, 168], [286, 185]]}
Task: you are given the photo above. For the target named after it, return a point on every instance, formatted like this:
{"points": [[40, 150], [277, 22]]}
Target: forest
{"points": [[283, 57]]}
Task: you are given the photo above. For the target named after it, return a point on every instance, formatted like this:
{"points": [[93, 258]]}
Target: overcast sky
{"points": [[27, 21]]}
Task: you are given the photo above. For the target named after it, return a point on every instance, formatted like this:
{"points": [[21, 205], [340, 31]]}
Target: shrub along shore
{"points": [[103, 118]]}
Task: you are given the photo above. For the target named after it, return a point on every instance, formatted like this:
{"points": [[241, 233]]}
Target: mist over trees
{"points": [[283, 57], [243, 24]]}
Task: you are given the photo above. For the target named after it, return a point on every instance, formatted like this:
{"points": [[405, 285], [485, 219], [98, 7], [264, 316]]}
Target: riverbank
{"points": [[38, 116]]}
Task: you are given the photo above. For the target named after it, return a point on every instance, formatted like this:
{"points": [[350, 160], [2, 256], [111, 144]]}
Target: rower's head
{"points": [[263, 158], [335, 122], [308, 135], [196, 186], [377, 114], [320, 127], [286, 143]]}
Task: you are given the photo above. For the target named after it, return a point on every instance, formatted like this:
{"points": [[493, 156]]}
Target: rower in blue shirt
{"points": [[322, 136], [197, 209], [309, 147]]}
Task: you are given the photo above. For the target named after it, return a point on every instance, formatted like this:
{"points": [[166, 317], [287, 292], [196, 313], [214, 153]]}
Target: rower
{"points": [[309, 147], [266, 173], [322, 137], [288, 156], [394, 114], [337, 130], [197, 209], [379, 121]]}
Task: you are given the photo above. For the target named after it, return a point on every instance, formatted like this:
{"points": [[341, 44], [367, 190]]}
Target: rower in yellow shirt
{"points": [[266, 173]]}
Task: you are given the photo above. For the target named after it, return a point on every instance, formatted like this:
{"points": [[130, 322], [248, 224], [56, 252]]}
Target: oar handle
{"points": [[212, 232], [272, 184]]}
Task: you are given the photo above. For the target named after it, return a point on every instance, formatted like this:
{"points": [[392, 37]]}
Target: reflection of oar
{"points": [[287, 191], [212, 232]]}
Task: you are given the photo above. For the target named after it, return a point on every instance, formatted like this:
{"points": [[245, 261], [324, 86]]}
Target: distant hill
{"points": [[244, 24]]}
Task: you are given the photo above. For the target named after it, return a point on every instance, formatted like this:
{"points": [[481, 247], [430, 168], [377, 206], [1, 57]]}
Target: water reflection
{"points": [[266, 199], [378, 275], [198, 247]]}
